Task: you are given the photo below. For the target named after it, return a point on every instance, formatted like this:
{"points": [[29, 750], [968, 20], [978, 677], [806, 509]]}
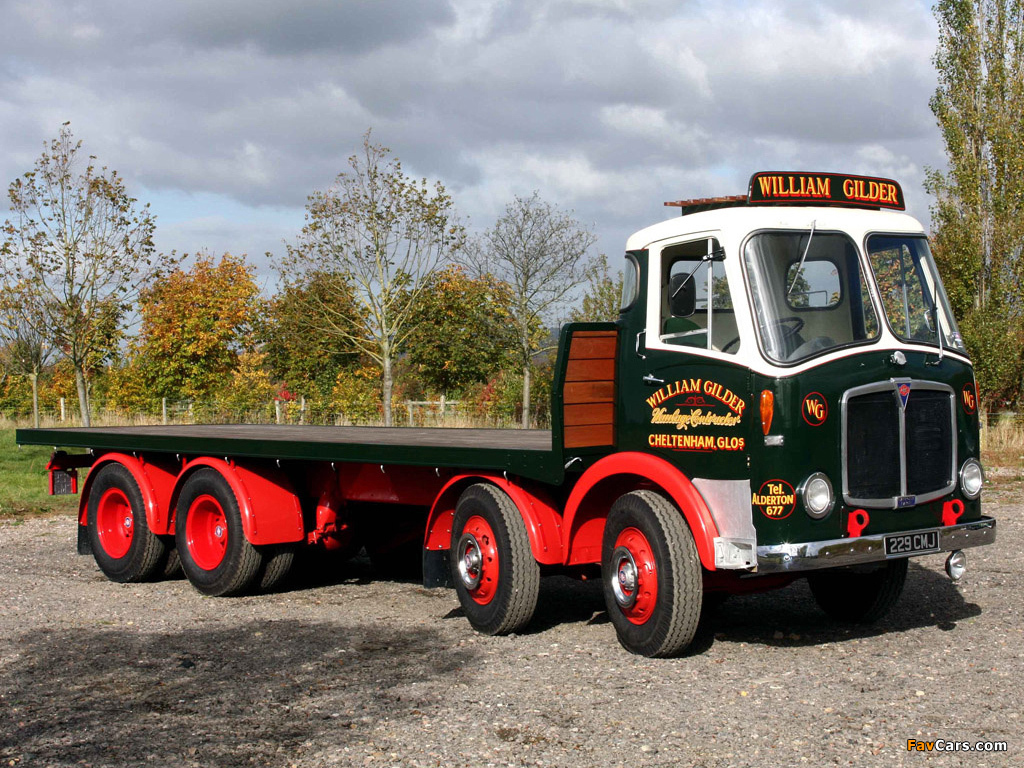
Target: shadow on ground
{"points": [[260, 694], [784, 617]]}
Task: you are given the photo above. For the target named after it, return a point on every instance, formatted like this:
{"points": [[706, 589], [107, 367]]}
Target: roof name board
{"points": [[825, 189]]}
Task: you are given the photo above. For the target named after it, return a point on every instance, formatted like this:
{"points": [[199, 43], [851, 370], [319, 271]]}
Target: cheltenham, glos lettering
{"points": [[696, 442], [795, 186], [727, 397], [695, 418]]}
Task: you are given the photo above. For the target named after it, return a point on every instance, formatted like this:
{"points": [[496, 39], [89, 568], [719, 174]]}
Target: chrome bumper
{"points": [[809, 555]]}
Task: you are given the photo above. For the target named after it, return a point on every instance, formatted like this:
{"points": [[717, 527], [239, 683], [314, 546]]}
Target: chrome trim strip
{"points": [[810, 555], [891, 385]]}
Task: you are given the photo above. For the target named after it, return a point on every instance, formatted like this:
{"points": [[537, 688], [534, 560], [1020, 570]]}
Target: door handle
{"points": [[653, 381]]}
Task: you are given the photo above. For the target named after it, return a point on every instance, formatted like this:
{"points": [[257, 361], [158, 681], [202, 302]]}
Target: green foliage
{"points": [[247, 393], [356, 396], [500, 400], [459, 333], [978, 217], [603, 295], [194, 324], [299, 351]]}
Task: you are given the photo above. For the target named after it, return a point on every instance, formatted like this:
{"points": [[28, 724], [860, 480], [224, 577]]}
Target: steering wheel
{"points": [[731, 344], [789, 327]]}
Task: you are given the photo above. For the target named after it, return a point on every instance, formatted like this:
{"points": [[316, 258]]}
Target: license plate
{"points": [[911, 543]]}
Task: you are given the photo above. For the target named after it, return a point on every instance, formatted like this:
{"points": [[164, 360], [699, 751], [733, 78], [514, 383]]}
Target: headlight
{"points": [[816, 495], [971, 478]]}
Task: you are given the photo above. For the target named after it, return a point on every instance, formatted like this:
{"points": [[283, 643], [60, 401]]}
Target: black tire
{"points": [[858, 596], [122, 544], [215, 555], [489, 524], [172, 564], [658, 616], [277, 564]]}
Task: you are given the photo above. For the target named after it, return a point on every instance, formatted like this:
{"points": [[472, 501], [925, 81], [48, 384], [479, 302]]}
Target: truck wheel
{"points": [[495, 574], [214, 552], [122, 544], [277, 563], [857, 596], [651, 574]]}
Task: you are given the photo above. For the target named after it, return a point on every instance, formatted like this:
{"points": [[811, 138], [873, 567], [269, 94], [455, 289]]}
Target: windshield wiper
{"points": [[800, 267]]}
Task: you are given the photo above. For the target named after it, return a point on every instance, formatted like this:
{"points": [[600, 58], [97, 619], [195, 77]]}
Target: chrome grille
{"points": [[898, 452]]}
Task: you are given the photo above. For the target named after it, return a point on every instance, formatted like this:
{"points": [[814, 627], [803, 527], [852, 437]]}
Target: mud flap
{"points": [[84, 546], [436, 569]]}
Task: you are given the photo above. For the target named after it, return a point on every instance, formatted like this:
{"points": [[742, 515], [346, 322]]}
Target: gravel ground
{"points": [[357, 672]]}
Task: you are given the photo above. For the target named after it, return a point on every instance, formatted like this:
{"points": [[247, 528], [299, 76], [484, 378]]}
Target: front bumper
{"points": [[810, 555]]}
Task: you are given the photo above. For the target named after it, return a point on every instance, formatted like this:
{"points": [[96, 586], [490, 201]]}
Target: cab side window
{"points": [[697, 308]]}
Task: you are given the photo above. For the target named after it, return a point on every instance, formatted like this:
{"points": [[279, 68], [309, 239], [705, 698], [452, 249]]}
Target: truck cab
{"points": [[793, 353]]}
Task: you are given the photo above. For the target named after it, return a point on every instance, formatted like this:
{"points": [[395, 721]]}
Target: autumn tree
{"points": [[978, 215], [383, 234], [298, 351], [459, 332], [603, 295], [540, 252], [82, 248], [194, 324]]}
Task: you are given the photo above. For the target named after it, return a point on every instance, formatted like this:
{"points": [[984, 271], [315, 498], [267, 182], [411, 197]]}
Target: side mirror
{"points": [[682, 295]]}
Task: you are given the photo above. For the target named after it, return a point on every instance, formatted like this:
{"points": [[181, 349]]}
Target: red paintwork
{"points": [[639, 547], [490, 563], [417, 486], [155, 483], [951, 511], [543, 521], [115, 523], [619, 473], [206, 532], [857, 522], [270, 510]]}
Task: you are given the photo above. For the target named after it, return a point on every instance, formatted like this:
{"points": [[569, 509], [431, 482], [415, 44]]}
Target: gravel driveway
{"points": [[355, 672]]}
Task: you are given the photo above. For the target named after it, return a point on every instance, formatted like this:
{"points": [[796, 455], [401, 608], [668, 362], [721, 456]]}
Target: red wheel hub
{"points": [[478, 560], [634, 576], [206, 532], [115, 523]]}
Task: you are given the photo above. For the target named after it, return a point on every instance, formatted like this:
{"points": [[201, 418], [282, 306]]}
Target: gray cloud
{"points": [[608, 107]]}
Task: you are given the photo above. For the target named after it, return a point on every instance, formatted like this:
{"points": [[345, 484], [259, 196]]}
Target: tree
{"points": [[603, 296], [82, 248], [383, 234], [24, 351], [298, 352], [978, 216], [539, 251], [459, 332], [194, 325]]}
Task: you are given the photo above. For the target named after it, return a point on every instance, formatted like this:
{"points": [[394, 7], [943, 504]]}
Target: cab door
{"points": [[692, 403]]}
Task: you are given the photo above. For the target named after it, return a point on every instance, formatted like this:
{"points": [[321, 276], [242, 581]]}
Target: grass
{"points": [[23, 481]]}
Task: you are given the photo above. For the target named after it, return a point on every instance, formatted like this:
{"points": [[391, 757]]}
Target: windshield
{"points": [[911, 291], [808, 293]]}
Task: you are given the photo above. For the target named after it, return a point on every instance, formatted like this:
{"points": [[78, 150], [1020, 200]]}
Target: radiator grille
{"points": [[893, 452]]}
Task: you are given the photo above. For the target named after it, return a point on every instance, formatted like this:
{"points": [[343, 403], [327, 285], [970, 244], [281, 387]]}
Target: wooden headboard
{"points": [[588, 415]]}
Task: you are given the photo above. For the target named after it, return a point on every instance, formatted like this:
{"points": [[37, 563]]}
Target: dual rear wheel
{"points": [[209, 544]]}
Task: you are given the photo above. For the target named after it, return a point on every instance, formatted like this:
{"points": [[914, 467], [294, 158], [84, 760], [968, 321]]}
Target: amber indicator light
{"points": [[767, 409]]}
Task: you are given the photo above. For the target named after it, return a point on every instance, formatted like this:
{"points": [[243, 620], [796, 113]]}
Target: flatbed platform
{"points": [[526, 452]]}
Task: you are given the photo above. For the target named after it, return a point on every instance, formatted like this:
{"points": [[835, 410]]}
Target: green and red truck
{"points": [[784, 395]]}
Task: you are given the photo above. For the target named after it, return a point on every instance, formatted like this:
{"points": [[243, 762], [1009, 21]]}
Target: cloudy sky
{"points": [[226, 114]]}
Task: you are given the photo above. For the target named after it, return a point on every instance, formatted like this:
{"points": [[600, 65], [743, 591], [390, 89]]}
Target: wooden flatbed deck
{"points": [[522, 452]]}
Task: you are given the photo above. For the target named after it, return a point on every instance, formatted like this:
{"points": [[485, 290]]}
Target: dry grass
{"points": [[1002, 447]]}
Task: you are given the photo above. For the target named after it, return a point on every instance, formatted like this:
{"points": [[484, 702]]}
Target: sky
{"points": [[225, 115]]}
